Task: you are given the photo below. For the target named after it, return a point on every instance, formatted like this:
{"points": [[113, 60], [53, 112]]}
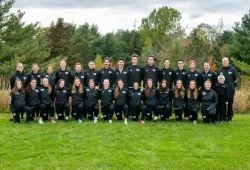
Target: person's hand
{"points": [[226, 103], [96, 87]]}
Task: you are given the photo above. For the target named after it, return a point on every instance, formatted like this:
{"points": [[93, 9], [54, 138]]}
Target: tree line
{"points": [[160, 34]]}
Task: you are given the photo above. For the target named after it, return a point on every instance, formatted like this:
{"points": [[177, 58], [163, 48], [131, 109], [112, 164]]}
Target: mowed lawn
{"points": [[117, 146]]}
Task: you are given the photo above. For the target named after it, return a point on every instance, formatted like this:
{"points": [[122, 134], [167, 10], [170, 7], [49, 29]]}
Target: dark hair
{"points": [[147, 93], [181, 60], [59, 81], [134, 55], [91, 61], [15, 89], [29, 89], [161, 88], [117, 88], [91, 80], [106, 58], [121, 59], [151, 56], [166, 59]]}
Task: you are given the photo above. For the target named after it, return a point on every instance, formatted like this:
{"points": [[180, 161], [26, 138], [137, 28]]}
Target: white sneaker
{"points": [[110, 121], [126, 121], [170, 117], [194, 122], [95, 120], [56, 117], [40, 121]]}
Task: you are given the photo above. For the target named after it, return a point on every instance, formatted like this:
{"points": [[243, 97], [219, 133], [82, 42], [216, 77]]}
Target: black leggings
{"points": [[94, 109], [35, 111], [77, 111], [192, 115], [119, 109], [164, 111], [22, 110], [230, 107], [61, 108], [178, 113], [220, 109], [107, 112], [46, 109], [135, 111], [205, 115], [149, 110]]}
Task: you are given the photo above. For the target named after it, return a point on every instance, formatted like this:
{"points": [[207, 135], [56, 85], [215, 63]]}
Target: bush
{"points": [[4, 101], [242, 96]]}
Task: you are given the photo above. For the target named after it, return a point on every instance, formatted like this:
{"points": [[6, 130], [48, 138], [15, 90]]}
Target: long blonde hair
{"points": [[73, 90], [195, 90], [49, 87], [176, 90]]}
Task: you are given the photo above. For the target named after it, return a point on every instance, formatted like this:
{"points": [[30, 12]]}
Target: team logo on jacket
{"points": [[110, 72], [24, 78], [42, 89], [124, 72], [109, 91], [196, 75], [170, 73], [183, 73], [230, 72], [66, 72], [188, 75], [82, 77], [154, 70], [38, 76], [64, 91], [210, 75], [47, 76], [147, 70], [124, 92], [36, 90], [139, 94], [137, 69], [204, 93], [94, 74], [88, 89]]}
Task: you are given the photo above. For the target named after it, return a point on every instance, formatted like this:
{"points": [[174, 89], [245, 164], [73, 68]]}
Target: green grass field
{"points": [[117, 146]]}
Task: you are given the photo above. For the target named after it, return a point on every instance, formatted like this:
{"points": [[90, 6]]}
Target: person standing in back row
{"points": [[35, 75], [64, 74], [180, 72], [92, 73], [207, 74], [78, 74], [107, 73], [150, 71], [192, 74], [122, 73], [167, 73], [135, 73], [231, 78]]}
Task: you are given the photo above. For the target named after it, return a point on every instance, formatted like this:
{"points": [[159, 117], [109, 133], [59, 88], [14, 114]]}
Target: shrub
{"points": [[4, 101]]}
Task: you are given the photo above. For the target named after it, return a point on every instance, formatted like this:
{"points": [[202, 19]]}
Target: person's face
{"points": [[33, 83], [150, 61], [19, 85], [180, 64], [19, 67], [78, 68], [134, 61], [206, 66], [106, 84], [120, 84], [49, 70], [106, 63], [77, 82], [207, 86], [150, 83], [225, 62], [91, 65], [179, 84], [136, 86], [45, 82], [121, 64], [166, 63], [192, 85], [164, 84], [61, 85], [63, 64], [192, 66], [221, 80], [35, 68], [91, 84]]}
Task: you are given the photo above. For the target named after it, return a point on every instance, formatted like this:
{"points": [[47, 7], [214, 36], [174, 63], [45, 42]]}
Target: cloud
{"points": [[111, 15]]}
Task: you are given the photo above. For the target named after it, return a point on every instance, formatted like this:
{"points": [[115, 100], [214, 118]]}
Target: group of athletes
{"points": [[119, 91]]}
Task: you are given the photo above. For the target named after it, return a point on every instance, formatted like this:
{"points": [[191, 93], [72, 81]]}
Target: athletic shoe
{"points": [[56, 117], [110, 121], [66, 119], [125, 121], [79, 120], [22, 119], [187, 118], [53, 120], [166, 121], [155, 121], [170, 117], [194, 122], [230, 121], [95, 120], [221, 122], [142, 122], [12, 118], [40, 121]]}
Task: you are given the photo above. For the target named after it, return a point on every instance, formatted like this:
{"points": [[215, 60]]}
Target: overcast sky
{"points": [[111, 15]]}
